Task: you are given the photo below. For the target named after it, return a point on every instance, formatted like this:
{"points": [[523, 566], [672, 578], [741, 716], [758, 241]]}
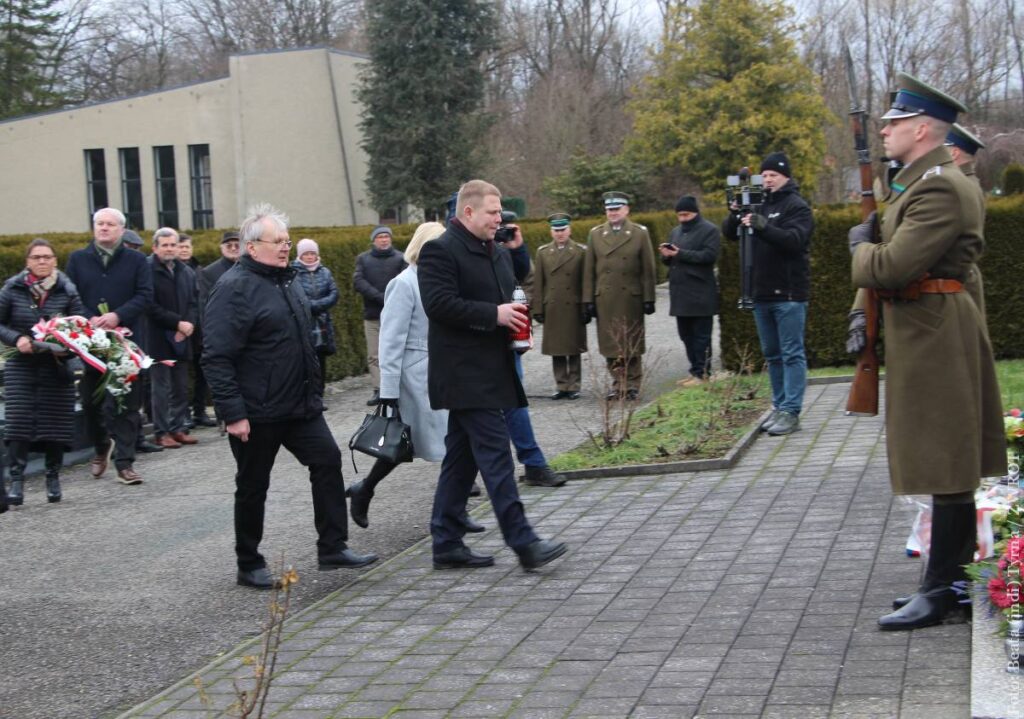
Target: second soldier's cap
{"points": [[229, 236], [918, 98], [614, 200], [559, 220], [960, 136], [131, 237]]}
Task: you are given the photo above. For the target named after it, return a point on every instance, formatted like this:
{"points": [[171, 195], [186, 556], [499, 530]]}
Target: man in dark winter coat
{"points": [[200, 389], [691, 253], [374, 269], [782, 229], [230, 249], [172, 319], [116, 287], [265, 378], [466, 283]]}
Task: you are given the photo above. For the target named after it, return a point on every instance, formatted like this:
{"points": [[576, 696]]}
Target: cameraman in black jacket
{"points": [[782, 229], [264, 375]]}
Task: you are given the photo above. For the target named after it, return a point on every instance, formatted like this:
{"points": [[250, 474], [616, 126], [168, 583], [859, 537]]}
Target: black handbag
{"points": [[383, 437]]}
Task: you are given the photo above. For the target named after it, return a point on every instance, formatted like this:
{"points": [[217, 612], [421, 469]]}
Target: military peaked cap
{"points": [[559, 220], [917, 98], [613, 200], [960, 136]]}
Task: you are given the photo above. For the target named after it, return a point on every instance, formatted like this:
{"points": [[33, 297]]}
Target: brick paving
{"points": [[740, 593]]}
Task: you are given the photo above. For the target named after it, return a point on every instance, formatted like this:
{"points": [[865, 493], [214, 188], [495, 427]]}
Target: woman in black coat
{"points": [[39, 386]]}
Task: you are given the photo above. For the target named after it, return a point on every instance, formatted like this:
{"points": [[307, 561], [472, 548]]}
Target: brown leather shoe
{"points": [[184, 438], [128, 476], [98, 464], [167, 442]]}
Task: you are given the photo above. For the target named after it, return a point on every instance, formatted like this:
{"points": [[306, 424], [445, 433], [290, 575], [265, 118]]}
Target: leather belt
{"points": [[927, 286]]}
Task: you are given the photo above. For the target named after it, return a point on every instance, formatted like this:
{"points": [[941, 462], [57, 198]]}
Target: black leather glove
{"points": [[857, 334], [864, 232], [389, 402], [539, 319], [758, 222], [591, 309], [648, 308]]}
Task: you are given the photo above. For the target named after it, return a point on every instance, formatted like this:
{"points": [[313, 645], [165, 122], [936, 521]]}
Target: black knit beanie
{"points": [[778, 162], [687, 203]]}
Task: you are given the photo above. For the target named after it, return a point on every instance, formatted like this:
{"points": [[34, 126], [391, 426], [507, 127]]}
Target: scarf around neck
{"points": [[39, 287]]}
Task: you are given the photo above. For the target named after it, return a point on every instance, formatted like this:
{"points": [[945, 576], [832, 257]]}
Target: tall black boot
{"points": [[54, 461], [360, 493], [943, 593], [17, 458]]}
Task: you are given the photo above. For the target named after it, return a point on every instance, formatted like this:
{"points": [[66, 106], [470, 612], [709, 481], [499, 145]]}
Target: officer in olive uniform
{"points": [[943, 414], [557, 304], [963, 146], [618, 290]]}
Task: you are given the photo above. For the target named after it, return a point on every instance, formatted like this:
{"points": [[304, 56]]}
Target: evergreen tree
{"points": [[728, 91], [423, 93], [26, 46]]}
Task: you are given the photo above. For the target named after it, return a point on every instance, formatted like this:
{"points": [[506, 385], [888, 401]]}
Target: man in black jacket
{"points": [[782, 229], [691, 253], [466, 283], [265, 378], [200, 389], [116, 288], [172, 319], [374, 269]]}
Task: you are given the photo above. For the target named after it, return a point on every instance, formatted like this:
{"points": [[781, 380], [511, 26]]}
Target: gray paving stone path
{"points": [[747, 592]]}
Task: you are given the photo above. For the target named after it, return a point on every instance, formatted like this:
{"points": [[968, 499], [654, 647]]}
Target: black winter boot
{"points": [[360, 493], [17, 458], [54, 461]]}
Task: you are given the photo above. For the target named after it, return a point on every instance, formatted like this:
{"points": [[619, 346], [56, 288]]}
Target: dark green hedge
{"points": [[1002, 266]]}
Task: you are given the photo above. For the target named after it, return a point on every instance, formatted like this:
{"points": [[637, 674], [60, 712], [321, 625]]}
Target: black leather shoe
{"points": [[542, 477], [204, 420], [632, 395], [374, 400], [560, 394], [536, 555], [924, 610], [572, 395], [613, 395], [260, 578], [345, 559], [900, 602], [474, 491], [471, 525], [359, 503], [147, 447], [190, 423], [462, 558]]}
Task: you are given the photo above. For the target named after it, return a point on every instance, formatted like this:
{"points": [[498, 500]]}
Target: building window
{"points": [[96, 181], [131, 187], [202, 186], [166, 186]]}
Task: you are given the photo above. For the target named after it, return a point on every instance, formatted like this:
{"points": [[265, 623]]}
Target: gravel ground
{"points": [[117, 592]]}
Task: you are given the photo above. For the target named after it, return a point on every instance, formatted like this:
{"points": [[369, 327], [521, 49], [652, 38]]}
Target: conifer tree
{"points": [[26, 46]]}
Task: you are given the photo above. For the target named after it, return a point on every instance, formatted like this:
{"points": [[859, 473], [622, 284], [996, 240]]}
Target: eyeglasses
{"points": [[278, 243], [41, 258]]}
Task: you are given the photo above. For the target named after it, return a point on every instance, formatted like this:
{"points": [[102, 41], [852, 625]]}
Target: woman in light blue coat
{"points": [[403, 375]]}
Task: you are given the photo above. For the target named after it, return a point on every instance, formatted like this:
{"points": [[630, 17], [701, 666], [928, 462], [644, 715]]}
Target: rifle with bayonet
{"points": [[863, 398]]}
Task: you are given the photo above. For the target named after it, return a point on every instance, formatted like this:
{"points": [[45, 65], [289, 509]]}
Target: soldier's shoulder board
{"points": [[642, 227], [932, 172]]}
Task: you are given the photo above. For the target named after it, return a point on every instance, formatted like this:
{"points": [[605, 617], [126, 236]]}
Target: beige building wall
{"points": [[282, 128]]}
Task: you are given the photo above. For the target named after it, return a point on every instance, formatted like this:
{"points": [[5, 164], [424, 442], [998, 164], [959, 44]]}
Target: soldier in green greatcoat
{"points": [[963, 146], [557, 304], [943, 414], [618, 290]]}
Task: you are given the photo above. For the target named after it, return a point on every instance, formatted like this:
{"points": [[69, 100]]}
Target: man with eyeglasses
{"points": [[264, 374], [116, 287]]}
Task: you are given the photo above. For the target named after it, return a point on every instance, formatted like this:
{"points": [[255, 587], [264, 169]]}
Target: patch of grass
{"points": [[695, 423], [1011, 382], [831, 371]]}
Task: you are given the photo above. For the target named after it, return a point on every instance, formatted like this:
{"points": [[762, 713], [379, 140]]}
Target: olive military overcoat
{"points": [[557, 294], [618, 277], [944, 425]]}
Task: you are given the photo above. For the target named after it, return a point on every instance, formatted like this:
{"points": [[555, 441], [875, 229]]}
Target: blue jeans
{"points": [[780, 325], [520, 429]]}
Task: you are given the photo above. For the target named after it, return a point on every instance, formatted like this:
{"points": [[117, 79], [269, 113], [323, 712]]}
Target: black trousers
{"points": [[695, 332], [199, 388], [311, 442], [477, 440], [103, 419]]}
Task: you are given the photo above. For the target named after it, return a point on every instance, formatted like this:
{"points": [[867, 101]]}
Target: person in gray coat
{"points": [[403, 375], [690, 253]]}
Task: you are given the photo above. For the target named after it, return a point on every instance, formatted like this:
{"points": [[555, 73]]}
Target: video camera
{"points": [[504, 232], [745, 190]]}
